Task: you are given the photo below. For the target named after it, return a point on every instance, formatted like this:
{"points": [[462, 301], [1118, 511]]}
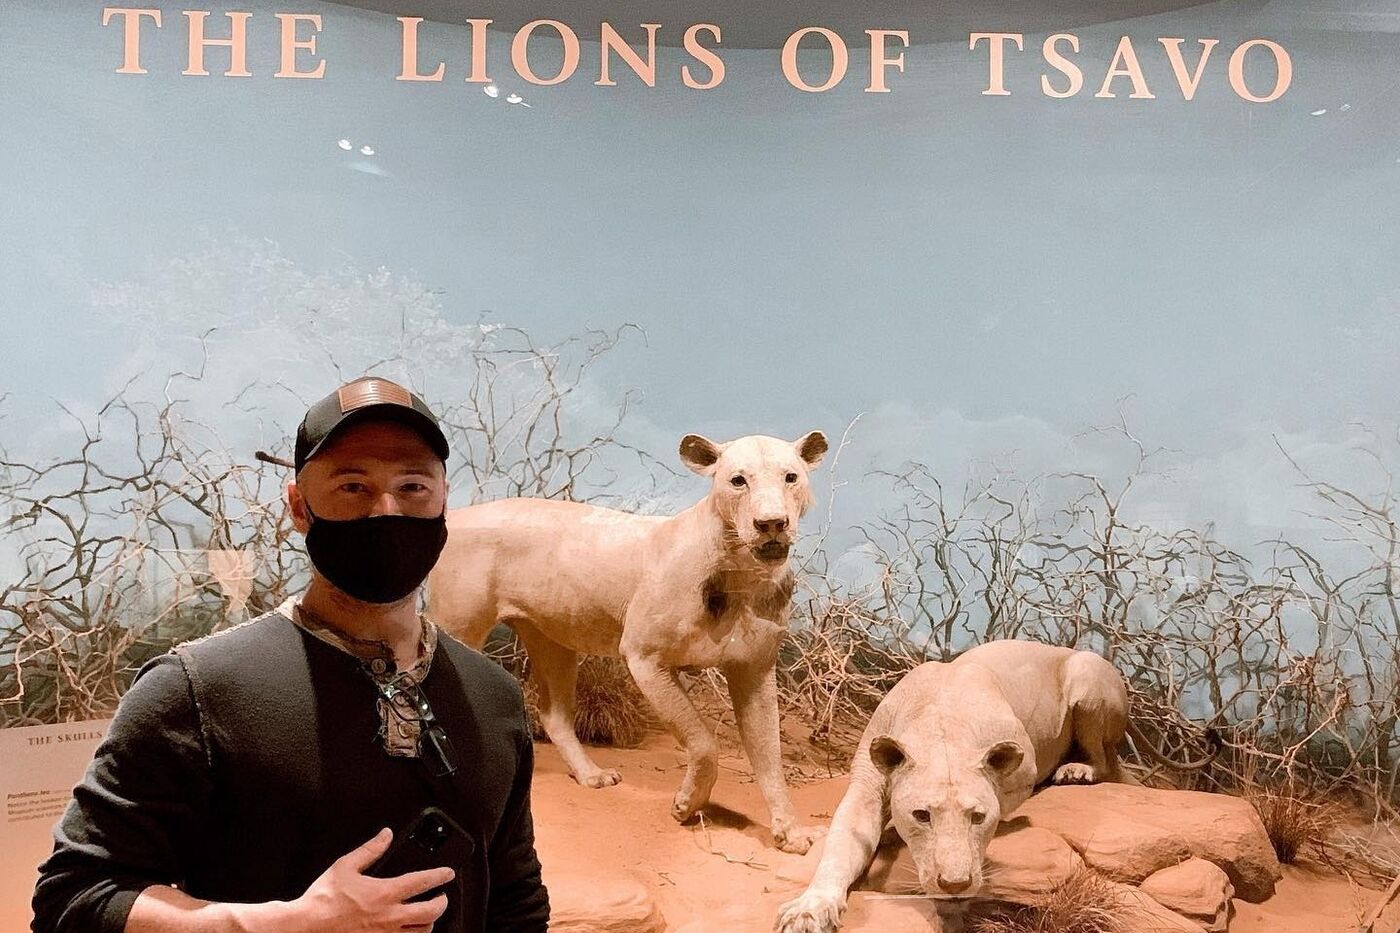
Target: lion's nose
{"points": [[770, 526], [954, 885]]}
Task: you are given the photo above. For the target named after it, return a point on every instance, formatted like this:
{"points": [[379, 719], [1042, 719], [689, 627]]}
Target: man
{"points": [[244, 771]]}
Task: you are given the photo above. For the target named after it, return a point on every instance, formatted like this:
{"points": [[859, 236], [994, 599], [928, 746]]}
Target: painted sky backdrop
{"points": [[981, 277]]}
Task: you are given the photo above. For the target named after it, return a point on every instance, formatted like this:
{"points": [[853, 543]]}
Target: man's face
{"points": [[375, 468]]}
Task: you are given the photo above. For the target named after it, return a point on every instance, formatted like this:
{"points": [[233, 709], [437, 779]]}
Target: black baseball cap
{"points": [[369, 398]]}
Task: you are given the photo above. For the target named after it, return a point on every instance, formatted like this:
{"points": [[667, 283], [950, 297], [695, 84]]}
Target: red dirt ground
{"points": [[723, 877]]}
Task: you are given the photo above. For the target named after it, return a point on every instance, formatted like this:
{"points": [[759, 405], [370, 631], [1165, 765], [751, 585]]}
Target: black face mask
{"points": [[379, 558]]}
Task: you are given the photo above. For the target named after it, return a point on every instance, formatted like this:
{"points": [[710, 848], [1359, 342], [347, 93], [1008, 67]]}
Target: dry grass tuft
{"points": [[1295, 821], [1086, 903], [611, 710]]}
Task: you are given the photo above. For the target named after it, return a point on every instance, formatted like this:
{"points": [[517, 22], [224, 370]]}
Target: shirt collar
{"points": [[377, 655]]}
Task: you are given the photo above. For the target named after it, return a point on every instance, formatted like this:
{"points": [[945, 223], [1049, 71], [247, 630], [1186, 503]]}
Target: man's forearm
{"points": [[163, 909]]}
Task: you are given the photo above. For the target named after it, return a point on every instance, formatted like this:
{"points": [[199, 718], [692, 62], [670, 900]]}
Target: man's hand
{"points": [[343, 900], [346, 900]]}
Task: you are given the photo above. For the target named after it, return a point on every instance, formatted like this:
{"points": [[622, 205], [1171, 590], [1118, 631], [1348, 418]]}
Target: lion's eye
{"points": [[977, 817], [792, 477], [738, 481], [921, 815]]}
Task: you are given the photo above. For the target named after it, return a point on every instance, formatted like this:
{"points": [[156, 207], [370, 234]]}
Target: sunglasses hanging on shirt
{"points": [[434, 747]]}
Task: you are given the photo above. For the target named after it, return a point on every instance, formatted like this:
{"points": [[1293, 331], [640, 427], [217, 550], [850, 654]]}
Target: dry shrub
{"points": [[1295, 820], [1363, 851], [1086, 903], [834, 670], [1291, 656], [611, 710]]}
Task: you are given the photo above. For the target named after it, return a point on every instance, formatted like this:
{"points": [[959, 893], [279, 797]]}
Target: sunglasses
{"points": [[434, 747]]}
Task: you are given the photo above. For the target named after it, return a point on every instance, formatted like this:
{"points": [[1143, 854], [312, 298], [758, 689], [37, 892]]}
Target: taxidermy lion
{"points": [[953, 749], [709, 587]]}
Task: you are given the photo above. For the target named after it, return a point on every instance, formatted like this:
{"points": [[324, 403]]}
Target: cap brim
{"points": [[420, 423]]}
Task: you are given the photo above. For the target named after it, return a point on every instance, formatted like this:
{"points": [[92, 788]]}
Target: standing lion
{"points": [[709, 587]]}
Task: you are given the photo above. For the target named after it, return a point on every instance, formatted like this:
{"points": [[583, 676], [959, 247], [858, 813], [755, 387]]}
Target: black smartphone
{"points": [[432, 840]]}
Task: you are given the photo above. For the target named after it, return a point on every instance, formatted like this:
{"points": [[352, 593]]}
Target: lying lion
{"points": [[954, 749], [710, 587]]}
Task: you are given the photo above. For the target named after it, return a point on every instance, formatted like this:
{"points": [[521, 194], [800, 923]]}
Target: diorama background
{"points": [[1024, 322], [982, 277]]}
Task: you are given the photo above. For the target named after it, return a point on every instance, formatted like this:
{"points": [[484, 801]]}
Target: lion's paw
{"points": [[810, 913], [691, 797], [1075, 772], [790, 837], [683, 807], [603, 777]]}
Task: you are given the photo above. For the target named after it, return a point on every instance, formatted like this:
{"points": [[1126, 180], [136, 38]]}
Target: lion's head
{"points": [[759, 487], [947, 792]]}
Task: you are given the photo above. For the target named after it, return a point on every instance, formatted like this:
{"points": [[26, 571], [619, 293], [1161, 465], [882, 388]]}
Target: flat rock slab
{"points": [[867, 910], [1129, 832], [589, 904]]}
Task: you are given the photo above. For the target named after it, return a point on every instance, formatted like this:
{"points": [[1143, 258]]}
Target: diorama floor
{"points": [[725, 875]]}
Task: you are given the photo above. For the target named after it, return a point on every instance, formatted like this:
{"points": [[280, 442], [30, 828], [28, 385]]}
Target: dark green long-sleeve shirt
{"points": [[240, 766]]}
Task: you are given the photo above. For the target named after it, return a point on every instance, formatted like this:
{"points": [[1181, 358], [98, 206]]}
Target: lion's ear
{"points": [[811, 447], [887, 753], [1004, 758], [699, 453]]}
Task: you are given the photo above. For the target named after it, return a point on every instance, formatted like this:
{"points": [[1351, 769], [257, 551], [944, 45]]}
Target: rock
{"points": [[872, 911], [1197, 889], [1131, 832], [1021, 862], [1141, 912], [590, 904], [1026, 860], [1133, 910]]}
